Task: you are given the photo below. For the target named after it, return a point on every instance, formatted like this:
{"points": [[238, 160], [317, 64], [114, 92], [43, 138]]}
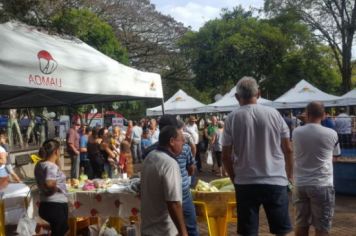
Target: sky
{"points": [[195, 13]]}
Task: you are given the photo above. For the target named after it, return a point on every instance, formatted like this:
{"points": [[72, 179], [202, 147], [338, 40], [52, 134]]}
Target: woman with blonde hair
{"points": [[51, 183]]}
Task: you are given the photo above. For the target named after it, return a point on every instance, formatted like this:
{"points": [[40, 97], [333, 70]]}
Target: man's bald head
{"points": [[315, 110]]}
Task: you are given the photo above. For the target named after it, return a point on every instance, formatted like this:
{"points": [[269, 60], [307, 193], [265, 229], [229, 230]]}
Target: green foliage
{"points": [[88, 27], [278, 52]]}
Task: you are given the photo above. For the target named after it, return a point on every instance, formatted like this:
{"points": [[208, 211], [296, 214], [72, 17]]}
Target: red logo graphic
{"points": [[47, 64]]}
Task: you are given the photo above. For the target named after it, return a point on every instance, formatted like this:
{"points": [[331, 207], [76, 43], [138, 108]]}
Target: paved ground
{"points": [[344, 223]]}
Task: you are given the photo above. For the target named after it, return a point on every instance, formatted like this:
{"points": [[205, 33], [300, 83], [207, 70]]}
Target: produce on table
{"points": [[218, 185]]}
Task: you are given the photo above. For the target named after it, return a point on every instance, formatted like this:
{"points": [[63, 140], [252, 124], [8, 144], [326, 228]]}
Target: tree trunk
{"points": [[346, 71]]}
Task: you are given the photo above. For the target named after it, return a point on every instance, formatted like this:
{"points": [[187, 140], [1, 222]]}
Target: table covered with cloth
{"points": [[12, 204], [118, 202]]}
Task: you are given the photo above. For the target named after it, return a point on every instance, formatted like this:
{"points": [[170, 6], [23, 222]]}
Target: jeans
{"points": [[189, 215], [75, 162], [136, 151]]}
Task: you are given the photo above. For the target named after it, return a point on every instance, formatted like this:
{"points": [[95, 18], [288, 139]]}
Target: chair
{"points": [[231, 215], [202, 213]]}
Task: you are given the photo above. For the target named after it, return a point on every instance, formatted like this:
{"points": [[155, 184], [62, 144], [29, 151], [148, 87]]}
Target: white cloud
{"points": [[191, 14], [195, 13]]}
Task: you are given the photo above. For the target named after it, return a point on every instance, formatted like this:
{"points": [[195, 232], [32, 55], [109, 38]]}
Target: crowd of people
{"points": [[253, 146]]}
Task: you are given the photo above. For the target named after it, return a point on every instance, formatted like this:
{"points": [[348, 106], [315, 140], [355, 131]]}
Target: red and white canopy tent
{"points": [[37, 69]]}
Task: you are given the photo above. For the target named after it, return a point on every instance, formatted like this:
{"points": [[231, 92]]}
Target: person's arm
{"points": [[227, 161], [176, 213], [191, 169], [288, 156], [71, 145], [105, 147], [193, 147], [15, 177], [51, 187]]}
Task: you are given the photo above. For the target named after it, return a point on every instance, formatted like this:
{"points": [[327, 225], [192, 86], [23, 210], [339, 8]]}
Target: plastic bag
{"points": [[209, 159], [26, 226], [108, 232], [103, 230]]}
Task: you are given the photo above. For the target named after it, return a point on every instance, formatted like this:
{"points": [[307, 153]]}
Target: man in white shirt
{"points": [[343, 127], [154, 131], [257, 155], [161, 187], [136, 142], [192, 128], [314, 195]]}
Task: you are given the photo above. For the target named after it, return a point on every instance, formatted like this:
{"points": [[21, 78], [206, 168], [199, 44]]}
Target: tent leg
{"points": [[162, 106]]}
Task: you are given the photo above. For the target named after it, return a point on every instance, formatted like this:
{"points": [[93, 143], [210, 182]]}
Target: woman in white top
{"points": [[51, 183]]}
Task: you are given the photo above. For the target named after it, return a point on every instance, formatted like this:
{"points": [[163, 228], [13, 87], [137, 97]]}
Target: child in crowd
{"points": [[125, 162], [145, 140], [6, 170]]}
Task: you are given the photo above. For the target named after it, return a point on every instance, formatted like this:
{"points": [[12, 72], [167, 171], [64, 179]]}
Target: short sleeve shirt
{"points": [[49, 171], [73, 137], [83, 141], [255, 133], [314, 147], [185, 160], [160, 182], [4, 172]]}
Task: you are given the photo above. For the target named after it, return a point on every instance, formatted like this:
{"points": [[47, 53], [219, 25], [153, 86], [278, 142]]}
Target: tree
{"points": [[149, 36], [333, 20], [278, 52], [85, 25]]}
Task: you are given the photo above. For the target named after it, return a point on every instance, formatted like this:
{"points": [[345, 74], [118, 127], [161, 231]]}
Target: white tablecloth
{"points": [[95, 203], [13, 196]]}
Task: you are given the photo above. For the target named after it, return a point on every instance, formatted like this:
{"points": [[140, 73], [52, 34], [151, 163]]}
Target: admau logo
{"points": [[178, 99], [47, 64], [306, 90]]}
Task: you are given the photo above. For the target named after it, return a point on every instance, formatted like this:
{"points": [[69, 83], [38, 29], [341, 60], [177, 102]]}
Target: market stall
{"points": [[179, 103], [303, 93], [117, 199], [38, 69]]}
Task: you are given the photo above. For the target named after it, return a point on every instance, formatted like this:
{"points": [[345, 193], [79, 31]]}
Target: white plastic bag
{"points": [[26, 226], [109, 232], [209, 159]]}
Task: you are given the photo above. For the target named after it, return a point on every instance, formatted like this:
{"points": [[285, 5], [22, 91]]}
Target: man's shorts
{"points": [[314, 206], [273, 198]]}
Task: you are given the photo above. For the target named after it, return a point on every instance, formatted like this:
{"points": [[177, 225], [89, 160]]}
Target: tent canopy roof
{"points": [[179, 103], [301, 94], [228, 102], [37, 69], [350, 94]]}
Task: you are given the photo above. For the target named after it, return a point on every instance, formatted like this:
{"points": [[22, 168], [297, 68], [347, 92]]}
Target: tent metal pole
{"points": [[162, 106]]}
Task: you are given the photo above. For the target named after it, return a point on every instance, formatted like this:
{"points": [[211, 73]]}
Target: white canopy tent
{"points": [[37, 69], [348, 99], [179, 103], [228, 103], [303, 93]]}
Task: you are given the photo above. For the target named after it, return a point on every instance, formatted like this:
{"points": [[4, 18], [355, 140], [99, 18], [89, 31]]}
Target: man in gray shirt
{"points": [[161, 187], [314, 196], [257, 156]]}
